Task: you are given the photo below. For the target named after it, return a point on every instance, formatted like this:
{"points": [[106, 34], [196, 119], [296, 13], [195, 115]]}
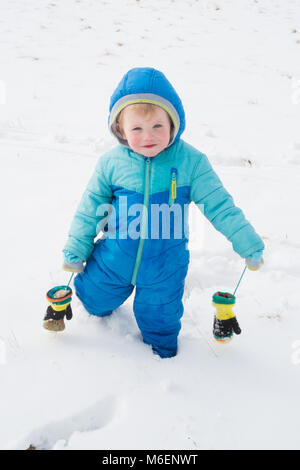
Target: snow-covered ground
{"points": [[235, 63]]}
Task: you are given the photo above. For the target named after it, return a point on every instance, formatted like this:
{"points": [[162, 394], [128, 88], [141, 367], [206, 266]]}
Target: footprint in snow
{"points": [[94, 417]]}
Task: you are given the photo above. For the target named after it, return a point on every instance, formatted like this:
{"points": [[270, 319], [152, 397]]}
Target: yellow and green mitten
{"points": [[59, 298], [225, 322]]}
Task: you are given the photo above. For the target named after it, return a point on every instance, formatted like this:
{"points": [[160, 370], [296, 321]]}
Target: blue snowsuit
{"points": [[131, 199]]}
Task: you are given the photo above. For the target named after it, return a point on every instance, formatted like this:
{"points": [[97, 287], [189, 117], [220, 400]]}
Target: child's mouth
{"points": [[149, 146]]}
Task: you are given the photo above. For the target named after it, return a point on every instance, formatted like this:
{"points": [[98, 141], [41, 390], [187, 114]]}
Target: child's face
{"points": [[146, 134]]}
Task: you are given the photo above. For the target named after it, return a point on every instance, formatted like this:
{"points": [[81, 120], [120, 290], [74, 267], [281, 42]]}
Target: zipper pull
{"points": [[173, 189]]}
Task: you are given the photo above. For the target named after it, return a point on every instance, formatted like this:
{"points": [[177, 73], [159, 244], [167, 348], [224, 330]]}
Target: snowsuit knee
{"points": [[157, 308], [140, 206]]}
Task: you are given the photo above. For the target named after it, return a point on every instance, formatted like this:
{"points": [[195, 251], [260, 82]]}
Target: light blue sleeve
{"points": [[91, 214], [257, 256], [208, 192], [70, 258]]}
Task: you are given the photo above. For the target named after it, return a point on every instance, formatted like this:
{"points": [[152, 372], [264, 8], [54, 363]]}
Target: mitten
{"points": [[223, 329], [255, 260], [72, 263], [60, 298], [54, 320], [225, 322]]}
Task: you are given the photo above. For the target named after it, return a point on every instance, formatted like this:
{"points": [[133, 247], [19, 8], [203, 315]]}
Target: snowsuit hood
{"points": [[146, 85]]}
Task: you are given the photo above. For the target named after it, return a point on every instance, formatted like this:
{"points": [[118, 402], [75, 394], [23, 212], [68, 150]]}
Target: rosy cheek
{"points": [[134, 140], [164, 135]]}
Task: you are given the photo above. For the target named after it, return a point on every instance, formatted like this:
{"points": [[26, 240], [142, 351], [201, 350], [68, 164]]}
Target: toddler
{"points": [[138, 199]]}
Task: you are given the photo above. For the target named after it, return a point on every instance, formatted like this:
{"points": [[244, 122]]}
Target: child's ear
{"points": [[120, 130]]}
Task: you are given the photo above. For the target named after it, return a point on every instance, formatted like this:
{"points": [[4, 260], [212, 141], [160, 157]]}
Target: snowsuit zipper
{"points": [[144, 223], [173, 186]]}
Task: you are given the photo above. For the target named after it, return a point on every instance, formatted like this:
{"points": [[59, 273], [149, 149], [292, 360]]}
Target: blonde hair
{"points": [[144, 109]]}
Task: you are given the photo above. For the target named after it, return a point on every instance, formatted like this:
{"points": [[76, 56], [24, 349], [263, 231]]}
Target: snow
{"points": [[97, 385]]}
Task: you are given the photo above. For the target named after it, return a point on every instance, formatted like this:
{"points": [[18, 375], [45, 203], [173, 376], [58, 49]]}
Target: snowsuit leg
{"points": [[158, 310], [100, 289]]}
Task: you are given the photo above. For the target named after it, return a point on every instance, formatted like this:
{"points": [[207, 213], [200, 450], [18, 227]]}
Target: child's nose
{"points": [[148, 133]]}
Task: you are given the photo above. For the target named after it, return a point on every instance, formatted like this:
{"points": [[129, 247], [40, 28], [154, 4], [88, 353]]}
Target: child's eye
{"points": [[137, 129], [158, 125]]}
